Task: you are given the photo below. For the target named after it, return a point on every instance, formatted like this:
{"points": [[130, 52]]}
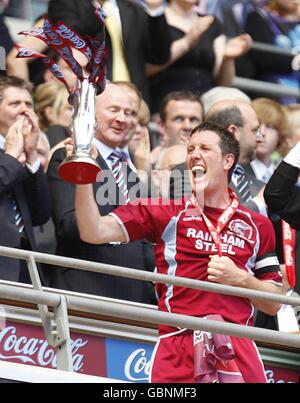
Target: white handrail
{"points": [[146, 276], [146, 315]]}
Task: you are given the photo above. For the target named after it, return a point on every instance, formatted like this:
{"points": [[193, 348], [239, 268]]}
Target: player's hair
{"points": [[228, 143]]}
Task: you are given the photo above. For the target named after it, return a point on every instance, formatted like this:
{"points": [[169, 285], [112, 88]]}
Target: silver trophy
{"points": [[80, 167]]}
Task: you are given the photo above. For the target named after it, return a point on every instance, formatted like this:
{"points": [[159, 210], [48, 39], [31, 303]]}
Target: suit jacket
{"points": [[146, 39], [56, 134], [32, 196], [283, 196], [255, 187], [134, 255], [6, 39]]}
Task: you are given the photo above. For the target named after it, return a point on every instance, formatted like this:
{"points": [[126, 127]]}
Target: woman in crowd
{"points": [[274, 127], [200, 55], [276, 23], [54, 111]]}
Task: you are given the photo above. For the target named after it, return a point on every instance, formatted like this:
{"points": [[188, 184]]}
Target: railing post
{"points": [[56, 326], [61, 337]]}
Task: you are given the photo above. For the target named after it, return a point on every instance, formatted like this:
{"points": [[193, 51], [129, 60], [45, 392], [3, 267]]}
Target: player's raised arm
{"points": [[93, 228]]}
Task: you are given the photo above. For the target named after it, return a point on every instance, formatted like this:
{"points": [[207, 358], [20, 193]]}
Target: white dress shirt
{"points": [[105, 152], [262, 171]]}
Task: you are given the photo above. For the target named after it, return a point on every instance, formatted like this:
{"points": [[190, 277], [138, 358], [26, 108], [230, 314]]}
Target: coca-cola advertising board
{"points": [[96, 355]]}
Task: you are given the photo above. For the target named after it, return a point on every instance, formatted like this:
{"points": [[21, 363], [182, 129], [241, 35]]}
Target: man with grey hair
{"points": [[240, 118], [216, 94], [114, 121]]}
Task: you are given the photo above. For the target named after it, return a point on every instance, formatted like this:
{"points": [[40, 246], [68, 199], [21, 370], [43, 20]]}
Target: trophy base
{"points": [[79, 170]]}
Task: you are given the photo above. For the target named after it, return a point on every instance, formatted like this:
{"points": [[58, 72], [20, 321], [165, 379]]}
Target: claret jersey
{"points": [[184, 244]]}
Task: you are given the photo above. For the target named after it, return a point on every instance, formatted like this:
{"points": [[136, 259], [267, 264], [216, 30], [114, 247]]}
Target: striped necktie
{"points": [[242, 186], [119, 169], [17, 215]]}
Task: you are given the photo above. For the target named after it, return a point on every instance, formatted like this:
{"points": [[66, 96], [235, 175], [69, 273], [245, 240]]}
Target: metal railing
{"points": [[267, 48], [264, 87], [56, 325]]}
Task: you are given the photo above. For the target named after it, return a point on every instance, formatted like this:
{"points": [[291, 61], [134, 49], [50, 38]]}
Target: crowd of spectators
{"points": [[181, 62]]}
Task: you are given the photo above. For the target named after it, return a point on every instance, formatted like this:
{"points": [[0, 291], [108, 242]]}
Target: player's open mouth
{"points": [[198, 172]]}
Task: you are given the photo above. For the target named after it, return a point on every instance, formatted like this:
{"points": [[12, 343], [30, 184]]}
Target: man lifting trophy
{"points": [[78, 168]]}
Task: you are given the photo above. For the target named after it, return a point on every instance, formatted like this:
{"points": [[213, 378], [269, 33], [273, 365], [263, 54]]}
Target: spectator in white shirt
{"points": [[274, 127]]}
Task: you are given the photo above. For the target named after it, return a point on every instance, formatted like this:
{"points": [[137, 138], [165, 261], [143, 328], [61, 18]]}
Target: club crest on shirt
{"points": [[241, 228]]}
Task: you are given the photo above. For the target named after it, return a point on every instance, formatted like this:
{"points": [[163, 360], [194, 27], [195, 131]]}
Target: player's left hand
{"points": [[222, 269]]}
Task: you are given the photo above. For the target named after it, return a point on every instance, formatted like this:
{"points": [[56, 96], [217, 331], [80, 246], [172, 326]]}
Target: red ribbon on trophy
{"points": [[80, 168], [50, 63], [288, 239]]}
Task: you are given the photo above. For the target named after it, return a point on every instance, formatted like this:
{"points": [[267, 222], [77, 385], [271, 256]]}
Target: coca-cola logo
{"points": [[281, 375], [54, 68], [66, 54], [66, 33], [52, 37], [37, 32], [289, 255], [287, 232], [99, 55], [24, 52], [35, 351], [137, 366]]}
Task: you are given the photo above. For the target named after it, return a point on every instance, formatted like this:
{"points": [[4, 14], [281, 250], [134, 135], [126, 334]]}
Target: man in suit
{"points": [[24, 195], [114, 119], [6, 41], [180, 112], [240, 118], [145, 38], [282, 193]]}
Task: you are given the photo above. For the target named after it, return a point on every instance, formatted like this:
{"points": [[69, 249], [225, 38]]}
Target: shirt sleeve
{"points": [[282, 195], [267, 265], [293, 157], [139, 220]]}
